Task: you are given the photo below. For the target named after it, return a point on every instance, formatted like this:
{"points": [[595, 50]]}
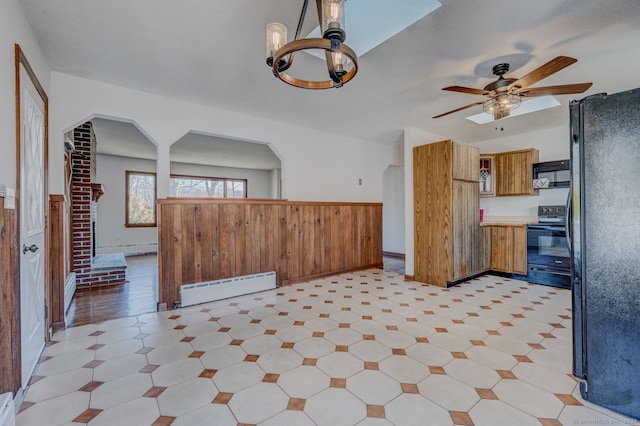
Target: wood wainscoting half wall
{"points": [[57, 251], [9, 302], [203, 240]]}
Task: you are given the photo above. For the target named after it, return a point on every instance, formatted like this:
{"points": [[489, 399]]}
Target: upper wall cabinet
{"points": [[514, 172], [487, 175]]}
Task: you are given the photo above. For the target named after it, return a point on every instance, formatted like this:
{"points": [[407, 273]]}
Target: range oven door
{"points": [[548, 255]]}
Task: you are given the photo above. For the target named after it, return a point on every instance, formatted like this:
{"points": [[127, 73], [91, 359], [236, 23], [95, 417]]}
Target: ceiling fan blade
{"points": [[551, 67], [469, 90], [459, 109], [565, 89]]}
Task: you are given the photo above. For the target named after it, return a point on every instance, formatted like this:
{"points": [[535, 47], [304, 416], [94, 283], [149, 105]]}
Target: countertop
{"points": [[517, 221]]}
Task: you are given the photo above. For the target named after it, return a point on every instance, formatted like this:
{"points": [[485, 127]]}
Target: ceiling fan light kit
{"points": [[342, 62], [505, 94]]}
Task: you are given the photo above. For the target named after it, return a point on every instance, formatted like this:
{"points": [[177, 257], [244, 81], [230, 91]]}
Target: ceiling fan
{"points": [[505, 94]]}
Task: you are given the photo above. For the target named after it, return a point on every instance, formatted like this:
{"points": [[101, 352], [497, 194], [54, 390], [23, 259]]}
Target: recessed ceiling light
{"points": [[530, 105], [371, 23]]}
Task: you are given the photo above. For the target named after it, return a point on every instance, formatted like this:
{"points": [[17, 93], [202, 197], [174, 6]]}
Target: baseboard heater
{"points": [[209, 291]]}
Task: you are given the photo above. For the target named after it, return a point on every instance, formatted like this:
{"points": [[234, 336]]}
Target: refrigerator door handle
{"points": [[567, 218]]}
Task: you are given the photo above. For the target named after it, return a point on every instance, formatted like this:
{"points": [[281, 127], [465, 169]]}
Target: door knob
{"points": [[32, 248]]}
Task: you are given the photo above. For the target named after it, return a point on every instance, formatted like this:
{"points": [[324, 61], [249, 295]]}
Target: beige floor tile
{"points": [[314, 347], [169, 353], [238, 377], [395, 339], [340, 365], [335, 406], [55, 411], [59, 384], [289, 418], [279, 361], [493, 412], [132, 413], [209, 414], [66, 362], [246, 331], [258, 403], [70, 345], [472, 373], [429, 354], [411, 409], [118, 334], [120, 390], [528, 398], [448, 393], [262, 344], [222, 357], [210, 341], [404, 369], [303, 381], [373, 387], [118, 349], [161, 338], [492, 358], [119, 367], [343, 336], [370, 350], [186, 397], [294, 333], [177, 372], [450, 342], [545, 378]]}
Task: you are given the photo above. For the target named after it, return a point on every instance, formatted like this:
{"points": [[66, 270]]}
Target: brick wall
{"points": [[85, 211]]}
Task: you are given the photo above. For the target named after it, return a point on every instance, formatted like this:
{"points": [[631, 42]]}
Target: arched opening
{"points": [[210, 166]]}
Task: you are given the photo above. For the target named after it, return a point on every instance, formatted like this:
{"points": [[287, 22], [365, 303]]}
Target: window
{"points": [[140, 199], [207, 187]]}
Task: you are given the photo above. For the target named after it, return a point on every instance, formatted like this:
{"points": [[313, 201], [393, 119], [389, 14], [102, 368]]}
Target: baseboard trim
{"points": [[394, 255], [327, 274]]}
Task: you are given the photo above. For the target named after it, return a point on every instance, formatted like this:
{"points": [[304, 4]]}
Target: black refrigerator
{"points": [[605, 236]]}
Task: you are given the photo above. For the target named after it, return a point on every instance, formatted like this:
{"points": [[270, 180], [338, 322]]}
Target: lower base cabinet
{"points": [[505, 248]]}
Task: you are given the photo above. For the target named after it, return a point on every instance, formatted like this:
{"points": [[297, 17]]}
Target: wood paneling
{"points": [[57, 251], [514, 172], [507, 244], [446, 212], [202, 240], [9, 302]]}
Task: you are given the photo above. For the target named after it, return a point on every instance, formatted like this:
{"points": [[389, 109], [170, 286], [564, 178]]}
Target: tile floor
{"points": [[363, 348]]}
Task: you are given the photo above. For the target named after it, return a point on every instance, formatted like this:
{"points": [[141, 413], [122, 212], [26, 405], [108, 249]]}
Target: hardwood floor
{"points": [[139, 294]]}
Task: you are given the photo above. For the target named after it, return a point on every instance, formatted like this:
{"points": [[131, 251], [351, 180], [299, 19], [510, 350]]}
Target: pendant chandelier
{"points": [[342, 62]]}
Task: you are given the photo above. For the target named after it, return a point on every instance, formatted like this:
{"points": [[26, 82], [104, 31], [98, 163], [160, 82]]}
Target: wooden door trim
{"points": [[21, 59]]}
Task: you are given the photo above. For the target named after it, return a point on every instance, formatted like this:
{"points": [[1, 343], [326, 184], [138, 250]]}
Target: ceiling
{"points": [[213, 52], [125, 139]]}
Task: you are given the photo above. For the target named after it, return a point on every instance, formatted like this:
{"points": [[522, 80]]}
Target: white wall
{"points": [[553, 144], [393, 210], [315, 165], [14, 28], [112, 236]]}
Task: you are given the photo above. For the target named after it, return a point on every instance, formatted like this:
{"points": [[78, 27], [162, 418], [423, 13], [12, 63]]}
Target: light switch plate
{"points": [[10, 198]]}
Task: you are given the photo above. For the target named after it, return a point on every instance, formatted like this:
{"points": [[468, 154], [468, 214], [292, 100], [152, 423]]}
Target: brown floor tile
{"points": [[187, 339], [506, 374], [149, 368], [222, 398], [271, 378], [459, 355], [486, 393], [25, 405], [409, 388], [95, 347], [164, 421], [180, 327], [251, 358], [236, 342], [296, 404], [371, 365], [93, 364], [567, 399], [522, 358], [310, 361], [398, 351], [461, 418], [342, 348], [87, 415], [287, 345], [434, 369], [317, 334], [536, 346], [154, 392], [144, 351], [91, 386], [477, 342], [422, 340], [549, 422], [208, 373], [338, 383], [97, 333], [196, 354], [223, 329], [376, 411], [35, 379]]}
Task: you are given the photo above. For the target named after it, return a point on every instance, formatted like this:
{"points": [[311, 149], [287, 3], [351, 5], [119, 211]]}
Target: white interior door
{"points": [[32, 226]]}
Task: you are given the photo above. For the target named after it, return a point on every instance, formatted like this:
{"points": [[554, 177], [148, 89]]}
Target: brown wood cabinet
{"points": [[507, 247], [446, 212], [514, 172]]}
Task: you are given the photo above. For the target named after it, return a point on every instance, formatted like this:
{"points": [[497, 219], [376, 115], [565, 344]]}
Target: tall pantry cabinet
{"points": [[446, 212]]}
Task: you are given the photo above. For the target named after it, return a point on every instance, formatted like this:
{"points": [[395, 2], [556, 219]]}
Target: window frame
{"points": [[127, 224], [225, 180]]}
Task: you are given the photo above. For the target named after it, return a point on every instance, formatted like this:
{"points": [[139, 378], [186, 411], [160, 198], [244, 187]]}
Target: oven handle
{"points": [[546, 227]]}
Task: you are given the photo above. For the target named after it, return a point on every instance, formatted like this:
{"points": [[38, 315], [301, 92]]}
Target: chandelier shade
{"points": [[501, 105], [341, 60]]}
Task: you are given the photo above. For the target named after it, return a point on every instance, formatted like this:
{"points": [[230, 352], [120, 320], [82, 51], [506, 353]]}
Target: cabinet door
{"points": [[466, 160], [487, 175], [485, 248], [466, 230], [500, 245], [514, 172], [519, 250]]}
